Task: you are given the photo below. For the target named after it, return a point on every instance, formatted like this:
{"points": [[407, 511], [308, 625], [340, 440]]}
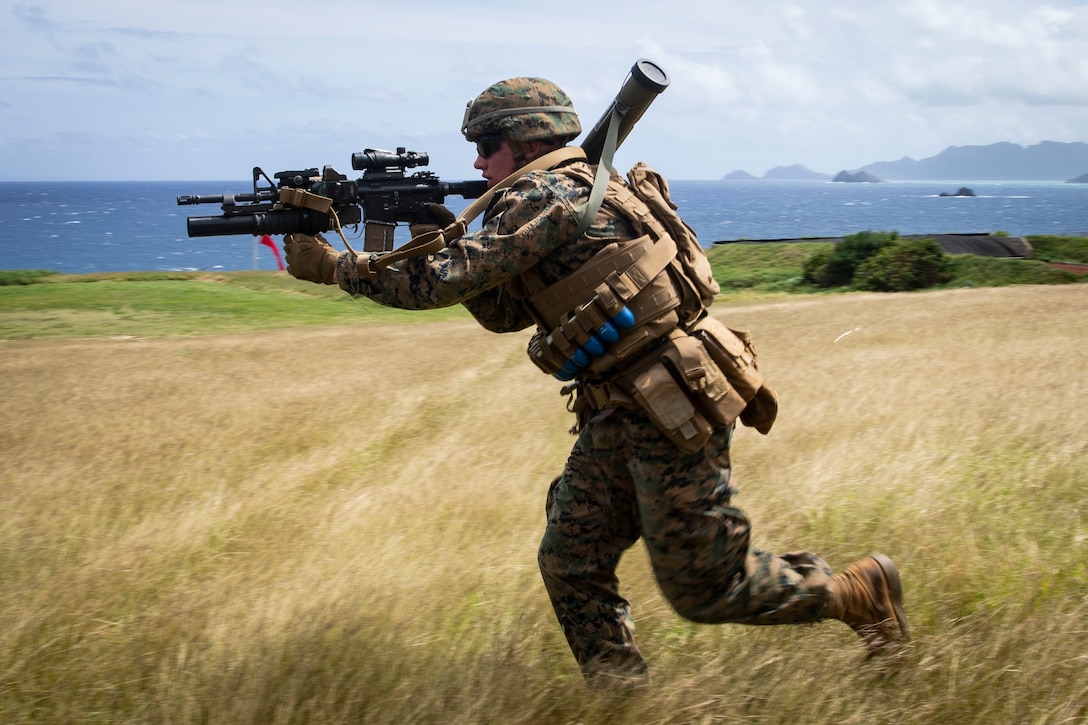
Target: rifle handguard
{"points": [[307, 200]]}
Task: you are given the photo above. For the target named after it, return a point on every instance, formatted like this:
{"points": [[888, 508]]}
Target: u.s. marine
{"points": [[620, 311]]}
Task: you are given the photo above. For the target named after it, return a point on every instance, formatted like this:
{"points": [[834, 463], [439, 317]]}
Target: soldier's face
{"points": [[497, 165]]}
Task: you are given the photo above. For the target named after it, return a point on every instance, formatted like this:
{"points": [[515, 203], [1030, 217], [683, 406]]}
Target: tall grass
{"points": [[339, 524]]}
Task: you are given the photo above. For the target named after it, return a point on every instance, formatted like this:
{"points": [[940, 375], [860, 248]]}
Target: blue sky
{"points": [[204, 89]]}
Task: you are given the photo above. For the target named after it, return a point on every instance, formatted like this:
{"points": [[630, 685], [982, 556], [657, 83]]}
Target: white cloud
{"points": [[204, 89]]}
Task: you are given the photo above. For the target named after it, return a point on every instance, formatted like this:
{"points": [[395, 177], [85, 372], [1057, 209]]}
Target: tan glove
{"points": [[310, 258], [443, 217]]}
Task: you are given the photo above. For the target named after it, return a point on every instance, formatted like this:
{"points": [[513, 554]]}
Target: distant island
{"points": [[962, 191], [1045, 161], [856, 177]]}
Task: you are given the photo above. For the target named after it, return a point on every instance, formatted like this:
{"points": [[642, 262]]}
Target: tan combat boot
{"points": [[868, 596]]}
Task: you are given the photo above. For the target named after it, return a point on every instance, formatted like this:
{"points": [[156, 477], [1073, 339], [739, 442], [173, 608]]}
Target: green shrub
{"points": [[839, 267], [814, 269], [904, 265]]}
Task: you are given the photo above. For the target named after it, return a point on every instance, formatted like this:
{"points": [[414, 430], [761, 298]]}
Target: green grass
{"points": [[1060, 249], [37, 303], [973, 271], [763, 267], [154, 304]]}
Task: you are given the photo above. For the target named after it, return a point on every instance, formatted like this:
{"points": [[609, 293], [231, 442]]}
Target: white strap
{"points": [[604, 172]]}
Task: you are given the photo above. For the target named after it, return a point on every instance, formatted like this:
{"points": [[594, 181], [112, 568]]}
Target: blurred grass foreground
{"points": [[241, 499]]}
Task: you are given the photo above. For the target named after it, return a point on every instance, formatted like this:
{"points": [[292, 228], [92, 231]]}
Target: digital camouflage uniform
{"points": [[624, 479]]}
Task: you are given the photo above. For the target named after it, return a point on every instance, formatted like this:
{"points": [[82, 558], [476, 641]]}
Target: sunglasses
{"points": [[487, 145]]}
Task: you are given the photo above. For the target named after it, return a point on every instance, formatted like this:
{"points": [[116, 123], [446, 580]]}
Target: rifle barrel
{"points": [[190, 199]]}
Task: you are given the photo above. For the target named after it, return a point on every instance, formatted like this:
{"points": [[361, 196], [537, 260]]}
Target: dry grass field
{"points": [[339, 524]]}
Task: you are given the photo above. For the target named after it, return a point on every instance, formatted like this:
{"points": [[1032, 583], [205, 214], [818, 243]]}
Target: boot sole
{"points": [[895, 592]]}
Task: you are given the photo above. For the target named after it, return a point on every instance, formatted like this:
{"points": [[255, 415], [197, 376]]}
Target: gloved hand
{"points": [[443, 218], [310, 258]]}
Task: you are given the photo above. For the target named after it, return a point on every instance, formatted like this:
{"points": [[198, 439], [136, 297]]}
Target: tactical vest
{"points": [[629, 328]]}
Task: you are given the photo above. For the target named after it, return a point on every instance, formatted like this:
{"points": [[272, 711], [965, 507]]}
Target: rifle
{"points": [[381, 197], [309, 202]]}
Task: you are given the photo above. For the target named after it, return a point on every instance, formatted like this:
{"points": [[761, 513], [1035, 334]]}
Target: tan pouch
{"points": [[735, 354], [761, 411], [668, 405], [707, 385]]}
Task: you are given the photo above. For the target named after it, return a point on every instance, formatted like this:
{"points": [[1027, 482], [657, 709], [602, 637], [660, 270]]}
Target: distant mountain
{"points": [[1046, 161], [738, 175]]}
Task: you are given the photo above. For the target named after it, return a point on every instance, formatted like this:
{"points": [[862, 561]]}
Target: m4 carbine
{"points": [[308, 202], [383, 196]]}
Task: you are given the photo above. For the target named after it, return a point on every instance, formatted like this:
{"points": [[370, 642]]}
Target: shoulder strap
{"points": [[547, 161], [604, 171]]}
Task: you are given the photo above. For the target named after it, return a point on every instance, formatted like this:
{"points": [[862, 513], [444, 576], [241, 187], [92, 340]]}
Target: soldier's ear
{"points": [[536, 149]]}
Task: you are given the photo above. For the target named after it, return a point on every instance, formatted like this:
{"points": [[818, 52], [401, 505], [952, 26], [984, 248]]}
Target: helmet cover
{"points": [[522, 110]]}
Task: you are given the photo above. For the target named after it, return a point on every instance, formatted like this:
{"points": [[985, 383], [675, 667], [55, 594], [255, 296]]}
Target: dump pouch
{"points": [[761, 411]]}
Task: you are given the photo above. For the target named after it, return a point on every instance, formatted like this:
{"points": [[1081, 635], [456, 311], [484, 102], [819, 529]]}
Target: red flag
{"points": [[267, 241]]}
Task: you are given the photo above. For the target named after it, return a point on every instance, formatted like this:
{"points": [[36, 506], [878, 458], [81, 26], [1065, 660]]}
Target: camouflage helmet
{"points": [[522, 110]]}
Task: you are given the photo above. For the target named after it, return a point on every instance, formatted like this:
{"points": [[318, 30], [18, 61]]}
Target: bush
{"points": [[14, 277], [839, 267], [814, 269], [904, 265]]}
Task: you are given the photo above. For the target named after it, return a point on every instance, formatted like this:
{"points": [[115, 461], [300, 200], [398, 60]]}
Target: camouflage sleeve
{"points": [[529, 221], [497, 311]]}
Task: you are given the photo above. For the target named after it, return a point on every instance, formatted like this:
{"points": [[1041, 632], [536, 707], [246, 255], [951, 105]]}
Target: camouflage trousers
{"points": [[625, 480]]}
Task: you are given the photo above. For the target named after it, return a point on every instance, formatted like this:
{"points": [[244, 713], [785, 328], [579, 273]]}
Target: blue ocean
{"points": [[83, 227]]}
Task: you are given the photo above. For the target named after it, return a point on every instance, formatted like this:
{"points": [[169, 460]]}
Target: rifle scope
{"points": [[377, 160]]}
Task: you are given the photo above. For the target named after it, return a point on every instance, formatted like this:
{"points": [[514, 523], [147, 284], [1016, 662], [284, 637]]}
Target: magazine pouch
{"points": [[657, 392], [707, 386]]}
